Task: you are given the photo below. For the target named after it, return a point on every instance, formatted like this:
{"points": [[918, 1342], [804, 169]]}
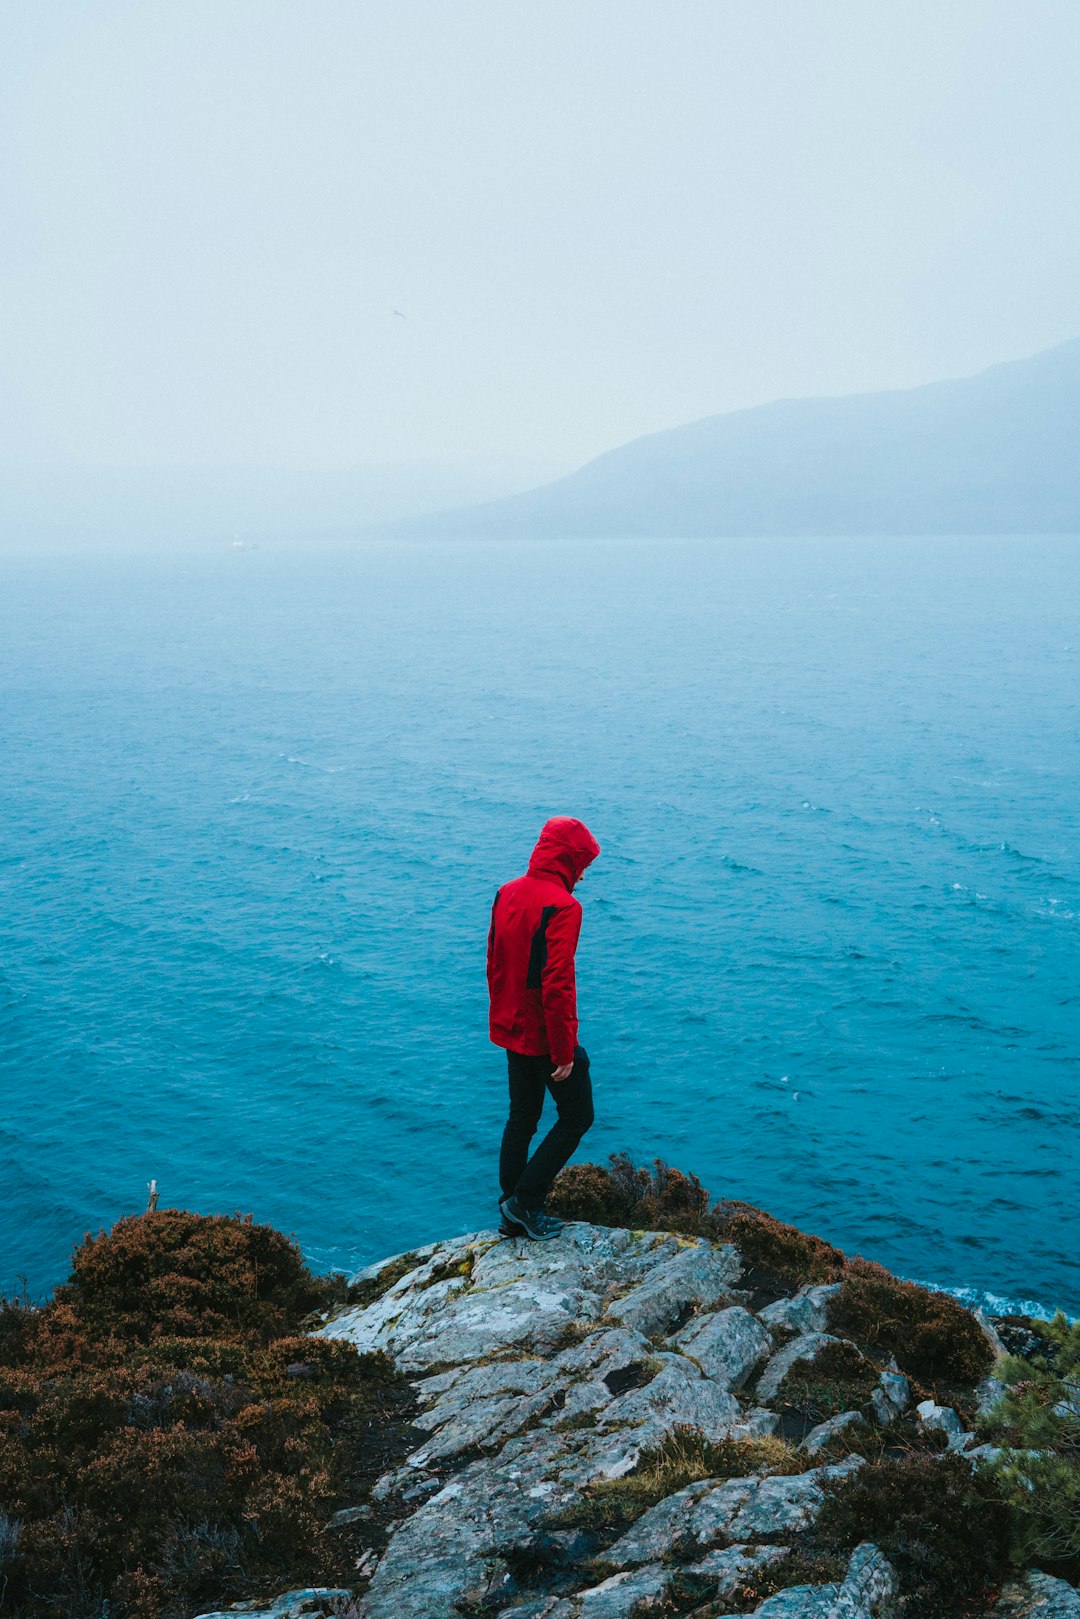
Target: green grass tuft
{"points": [[685, 1457]]}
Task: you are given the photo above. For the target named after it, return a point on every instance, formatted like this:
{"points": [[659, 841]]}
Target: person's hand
{"points": [[564, 1070]]}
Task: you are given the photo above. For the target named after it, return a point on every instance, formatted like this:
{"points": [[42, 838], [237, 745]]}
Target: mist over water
{"points": [[256, 804]]}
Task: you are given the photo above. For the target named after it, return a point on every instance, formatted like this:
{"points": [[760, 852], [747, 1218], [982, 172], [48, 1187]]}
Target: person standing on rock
{"points": [[535, 922]]}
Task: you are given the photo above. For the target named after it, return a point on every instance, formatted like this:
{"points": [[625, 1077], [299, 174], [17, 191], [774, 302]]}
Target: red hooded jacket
{"points": [[535, 922]]}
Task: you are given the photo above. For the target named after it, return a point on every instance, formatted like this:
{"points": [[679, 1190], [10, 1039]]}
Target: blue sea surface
{"points": [[256, 803]]}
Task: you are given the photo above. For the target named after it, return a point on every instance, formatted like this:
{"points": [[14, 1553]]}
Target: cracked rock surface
{"points": [[544, 1370]]}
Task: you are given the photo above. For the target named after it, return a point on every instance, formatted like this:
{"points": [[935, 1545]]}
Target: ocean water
{"points": [[255, 805]]}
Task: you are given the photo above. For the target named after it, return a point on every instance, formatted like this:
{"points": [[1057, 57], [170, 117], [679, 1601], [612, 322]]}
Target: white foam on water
{"points": [[994, 1304]]}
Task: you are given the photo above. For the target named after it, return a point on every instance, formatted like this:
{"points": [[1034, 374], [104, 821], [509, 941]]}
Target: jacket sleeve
{"points": [[558, 989]]}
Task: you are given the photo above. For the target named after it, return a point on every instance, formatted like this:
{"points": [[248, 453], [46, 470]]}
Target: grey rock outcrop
{"points": [[945, 1420], [891, 1397], [832, 1428], [632, 1591], [697, 1274], [726, 1345], [988, 1394], [942, 1417], [1070, 1405], [543, 1381], [309, 1599], [868, 1591], [545, 1375], [1038, 1596], [543, 1370], [739, 1509], [474, 1297], [806, 1311], [982, 1453], [605, 1426]]}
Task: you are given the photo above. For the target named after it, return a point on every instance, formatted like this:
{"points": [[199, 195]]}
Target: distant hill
{"points": [[994, 453]]}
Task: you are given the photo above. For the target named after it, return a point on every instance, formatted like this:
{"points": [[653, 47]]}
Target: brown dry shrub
{"points": [[770, 1245], [588, 1192], [666, 1199], [190, 1276], [657, 1199], [932, 1336], [169, 1447]]}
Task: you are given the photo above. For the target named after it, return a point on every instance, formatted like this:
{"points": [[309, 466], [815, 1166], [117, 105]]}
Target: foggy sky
{"points": [[599, 218]]}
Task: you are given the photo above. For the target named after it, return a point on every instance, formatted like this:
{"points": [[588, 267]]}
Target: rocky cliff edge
{"points": [[609, 1425]]}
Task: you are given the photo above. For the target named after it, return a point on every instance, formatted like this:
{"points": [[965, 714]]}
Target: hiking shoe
{"points": [[534, 1222], [510, 1228]]}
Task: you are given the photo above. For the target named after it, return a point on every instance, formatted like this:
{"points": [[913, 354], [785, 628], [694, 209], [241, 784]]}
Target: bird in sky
{"points": [[399, 315]]}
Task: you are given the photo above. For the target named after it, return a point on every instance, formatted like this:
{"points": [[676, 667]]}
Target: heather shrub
{"points": [[769, 1245], [945, 1530], [666, 1199], [837, 1379], [657, 1199], [932, 1336], [588, 1192], [15, 1321], [189, 1276], [166, 1446], [663, 1198]]}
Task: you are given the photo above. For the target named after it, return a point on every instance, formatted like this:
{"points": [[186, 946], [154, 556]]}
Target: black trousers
{"points": [[530, 1079]]}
